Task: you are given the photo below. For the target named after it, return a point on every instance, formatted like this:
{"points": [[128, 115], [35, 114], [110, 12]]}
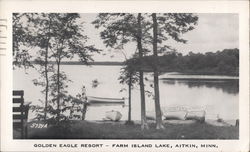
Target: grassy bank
{"points": [[94, 130]]}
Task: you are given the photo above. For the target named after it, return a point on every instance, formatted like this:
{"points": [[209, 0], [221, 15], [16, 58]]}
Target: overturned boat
{"points": [[196, 115], [113, 115], [175, 115]]}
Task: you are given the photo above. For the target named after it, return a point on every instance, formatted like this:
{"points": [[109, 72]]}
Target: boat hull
{"points": [[105, 101], [113, 115]]}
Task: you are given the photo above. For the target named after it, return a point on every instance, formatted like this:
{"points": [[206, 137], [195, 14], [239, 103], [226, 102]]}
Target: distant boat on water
{"points": [[95, 83]]}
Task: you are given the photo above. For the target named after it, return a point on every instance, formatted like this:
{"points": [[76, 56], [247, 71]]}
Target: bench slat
{"points": [[17, 109], [18, 93], [16, 116], [20, 112], [17, 124], [17, 100]]}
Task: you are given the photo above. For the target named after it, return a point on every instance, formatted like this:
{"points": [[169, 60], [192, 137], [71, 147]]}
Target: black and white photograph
{"points": [[172, 76]]}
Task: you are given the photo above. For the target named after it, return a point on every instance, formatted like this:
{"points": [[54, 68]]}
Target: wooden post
{"points": [[85, 105], [237, 123], [84, 110]]}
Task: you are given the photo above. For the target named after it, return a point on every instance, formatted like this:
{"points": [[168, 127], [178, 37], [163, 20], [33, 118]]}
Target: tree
{"points": [[41, 38], [159, 124], [54, 37], [129, 76], [167, 26], [20, 34], [141, 77], [68, 41], [32, 31], [120, 29]]}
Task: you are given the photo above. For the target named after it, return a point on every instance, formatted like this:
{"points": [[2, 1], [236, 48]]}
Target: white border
{"points": [[240, 7]]}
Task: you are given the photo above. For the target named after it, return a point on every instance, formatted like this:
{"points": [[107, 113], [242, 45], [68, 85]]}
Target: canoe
{"points": [[175, 115], [105, 101], [113, 115]]}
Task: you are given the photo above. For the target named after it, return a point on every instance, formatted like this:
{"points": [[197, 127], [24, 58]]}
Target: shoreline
{"points": [[119, 130], [213, 122]]}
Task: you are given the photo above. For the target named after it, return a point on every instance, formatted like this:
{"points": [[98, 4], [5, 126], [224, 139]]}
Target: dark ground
{"points": [[118, 130]]}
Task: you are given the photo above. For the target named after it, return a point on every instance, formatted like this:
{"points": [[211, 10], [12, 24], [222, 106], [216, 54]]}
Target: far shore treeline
{"points": [[224, 62]]}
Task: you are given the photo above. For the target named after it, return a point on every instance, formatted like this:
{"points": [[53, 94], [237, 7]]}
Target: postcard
{"points": [[124, 75]]}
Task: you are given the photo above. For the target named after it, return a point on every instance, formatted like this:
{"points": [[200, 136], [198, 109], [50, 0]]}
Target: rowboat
{"points": [[196, 115], [105, 101], [113, 115]]}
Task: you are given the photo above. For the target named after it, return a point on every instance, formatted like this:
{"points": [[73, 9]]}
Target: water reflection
{"points": [[227, 86], [170, 82]]}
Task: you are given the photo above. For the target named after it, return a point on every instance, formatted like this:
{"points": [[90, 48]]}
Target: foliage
{"points": [[54, 37], [225, 62], [20, 34], [173, 25], [119, 29], [69, 39], [129, 71], [67, 42]]}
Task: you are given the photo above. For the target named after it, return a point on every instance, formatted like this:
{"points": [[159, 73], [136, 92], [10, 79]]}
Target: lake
{"points": [[218, 94]]}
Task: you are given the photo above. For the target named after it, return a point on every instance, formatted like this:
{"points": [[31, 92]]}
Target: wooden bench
{"points": [[20, 113]]}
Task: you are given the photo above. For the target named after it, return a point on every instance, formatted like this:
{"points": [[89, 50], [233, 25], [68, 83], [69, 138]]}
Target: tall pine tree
{"points": [[167, 26], [119, 29]]}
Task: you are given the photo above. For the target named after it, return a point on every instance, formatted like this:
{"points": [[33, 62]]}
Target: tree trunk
{"points": [[46, 73], [58, 89], [144, 124], [47, 82], [129, 98], [159, 124]]}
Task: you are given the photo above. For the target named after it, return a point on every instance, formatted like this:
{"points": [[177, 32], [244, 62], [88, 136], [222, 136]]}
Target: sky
{"points": [[215, 31]]}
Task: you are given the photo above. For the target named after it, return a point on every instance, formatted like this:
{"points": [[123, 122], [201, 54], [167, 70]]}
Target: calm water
{"points": [[219, 97]]}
